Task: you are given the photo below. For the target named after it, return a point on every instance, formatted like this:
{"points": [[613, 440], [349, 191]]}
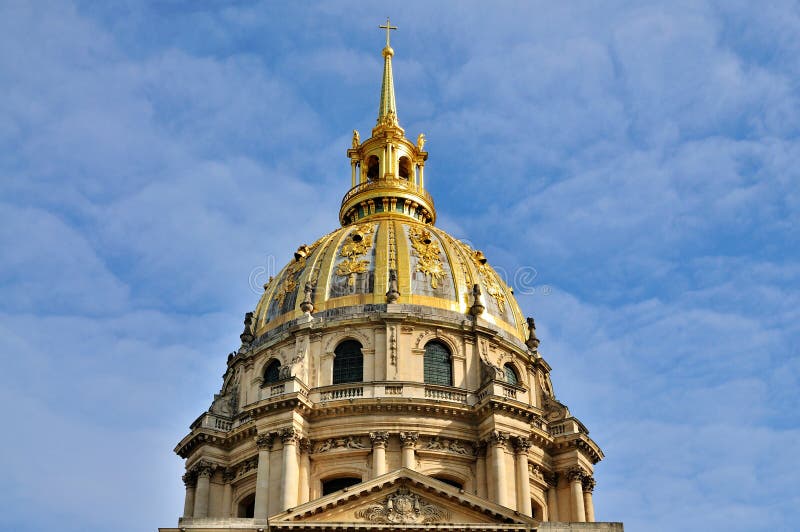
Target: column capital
{"points": [[189, 479], [264, 441], [588, 483], [379, 438], [498, 438], [204, 468], [228, 474], [521, 445], [409, 439], [289, 436], [551, 479], [305, 445], [576, 474]]}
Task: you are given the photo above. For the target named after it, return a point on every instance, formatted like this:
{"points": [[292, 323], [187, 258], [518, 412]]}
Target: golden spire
{"points": [[387, 111], [387, 171]]}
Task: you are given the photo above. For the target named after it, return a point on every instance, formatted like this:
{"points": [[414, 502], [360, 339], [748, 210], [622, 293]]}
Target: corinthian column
{"points": [[305, 469], [227, 491], [497, 443], [379, 440], [521, 446], [480, 469], [575, 477], [290, 472], [552, 497], [409, 441], [190, 481], [264, 444], [204, 471], [588, 488]]}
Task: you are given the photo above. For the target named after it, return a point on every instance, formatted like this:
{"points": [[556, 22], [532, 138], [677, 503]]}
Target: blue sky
{"points": [[641, 158]]}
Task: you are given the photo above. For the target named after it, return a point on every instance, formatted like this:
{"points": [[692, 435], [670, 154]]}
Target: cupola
{"points": [[387, 169]]}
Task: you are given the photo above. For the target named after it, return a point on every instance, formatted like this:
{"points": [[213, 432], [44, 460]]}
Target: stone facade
{"points": [[388, 379]]}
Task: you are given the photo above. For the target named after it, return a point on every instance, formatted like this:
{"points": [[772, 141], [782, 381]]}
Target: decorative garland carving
{"points": [[487, 275], [344, 334], [356, 247], [349, 442], [453, 446], [428, 254], [404, 507]]}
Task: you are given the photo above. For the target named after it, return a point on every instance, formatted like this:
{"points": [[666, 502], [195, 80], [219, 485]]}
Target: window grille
{"points": [[511, 374], [438, 368], [272, 372], [348, 366]]}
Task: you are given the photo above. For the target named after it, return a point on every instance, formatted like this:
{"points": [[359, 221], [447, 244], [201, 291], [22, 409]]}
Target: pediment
{"points": [[402, 497]]}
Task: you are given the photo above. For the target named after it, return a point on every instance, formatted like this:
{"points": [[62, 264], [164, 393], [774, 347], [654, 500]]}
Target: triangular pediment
{"points": [[402, 498]]}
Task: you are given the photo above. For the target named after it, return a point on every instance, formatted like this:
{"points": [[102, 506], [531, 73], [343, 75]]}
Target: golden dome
{"points": [[388, 250], [357, 265]]}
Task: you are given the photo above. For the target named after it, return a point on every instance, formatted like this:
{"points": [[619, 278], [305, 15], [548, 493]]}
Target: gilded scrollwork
{"points": [[353, 250], [429, 261]]}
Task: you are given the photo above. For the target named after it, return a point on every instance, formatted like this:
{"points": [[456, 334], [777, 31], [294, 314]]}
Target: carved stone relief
{"points": [[403, 507]]}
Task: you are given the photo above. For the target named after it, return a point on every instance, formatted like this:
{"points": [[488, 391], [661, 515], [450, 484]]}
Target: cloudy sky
{"points": [[632, 166]]}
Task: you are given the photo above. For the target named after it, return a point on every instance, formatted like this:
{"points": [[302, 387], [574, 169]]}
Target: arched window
{"points": [[404, 167], [247, 506], [373, 167], [348, 364], [272, 371], [511, 374], [438, 368], [336, 484]]}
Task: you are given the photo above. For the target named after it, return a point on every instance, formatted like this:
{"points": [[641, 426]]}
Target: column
{"points": [[480, 469], [290, 470], [190, 481], [227, 491], [588, 488], [521, 446], [204, 472], [264, 444], [408, 441], [575, 477], [422, 176], [497, 441], [379, 440], [305, 469], [352, 173], [552, 497]]}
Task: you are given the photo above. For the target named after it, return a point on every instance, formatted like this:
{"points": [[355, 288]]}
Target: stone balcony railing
{"points": [[568, 426], [367, 390], [393, 390]]}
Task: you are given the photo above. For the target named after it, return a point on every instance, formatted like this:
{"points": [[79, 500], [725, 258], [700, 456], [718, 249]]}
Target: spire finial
{"points": [[387, 112], [388, 28]]}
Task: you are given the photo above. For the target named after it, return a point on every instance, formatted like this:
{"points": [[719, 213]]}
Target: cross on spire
{"points": [[388, 27]]}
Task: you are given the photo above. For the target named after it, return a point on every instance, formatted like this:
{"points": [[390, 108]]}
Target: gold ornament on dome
{"points": [[358, 244], [488, 277], [428, 254], [289, 284]]}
